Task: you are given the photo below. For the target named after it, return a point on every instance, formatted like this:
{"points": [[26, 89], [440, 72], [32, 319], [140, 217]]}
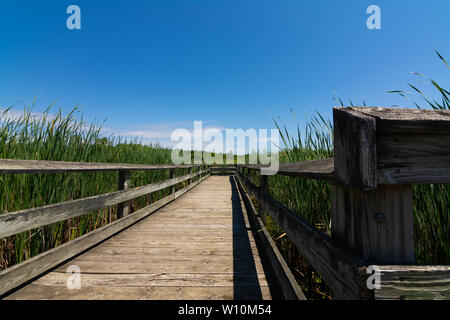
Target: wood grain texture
{"points": [[343, 272], [376, 224], [39, 292], [355, 153], [403, 120], [412, 282], [38, 166], [413, 158], [197, 247], [33, 267], [410, 145], [59, 279], [23, 220]]}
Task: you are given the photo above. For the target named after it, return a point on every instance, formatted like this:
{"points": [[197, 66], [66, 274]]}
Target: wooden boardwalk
{"points": [[207, 240], [199, 246]]}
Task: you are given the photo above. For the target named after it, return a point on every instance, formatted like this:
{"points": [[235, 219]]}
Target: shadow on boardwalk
{"points": [[243, 262]]}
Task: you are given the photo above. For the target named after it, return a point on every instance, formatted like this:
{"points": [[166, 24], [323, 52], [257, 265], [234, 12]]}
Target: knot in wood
{"points": [[379, 217]]}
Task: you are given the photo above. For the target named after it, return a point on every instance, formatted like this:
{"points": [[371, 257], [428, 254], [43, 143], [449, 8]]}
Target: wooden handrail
{"points": [[343, 272], [14, 222], [23, 220], [313, 169], [286, 280], [40, 166], [403, 120]]}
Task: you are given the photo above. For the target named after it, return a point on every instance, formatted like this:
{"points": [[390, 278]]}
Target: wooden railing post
{"points": [[375, 221], [124, 208], [171, 176], [189, 172], [262, 187]]}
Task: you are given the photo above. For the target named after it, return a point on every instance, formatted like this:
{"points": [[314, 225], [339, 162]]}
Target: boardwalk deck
{"points": [[198, 247]]}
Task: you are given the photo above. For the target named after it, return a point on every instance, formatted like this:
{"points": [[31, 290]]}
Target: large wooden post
{"points": [[373, 220], [124, 208]]}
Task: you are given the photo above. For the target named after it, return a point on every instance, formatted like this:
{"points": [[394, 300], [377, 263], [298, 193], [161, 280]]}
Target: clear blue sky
{"points": [[148, 66]]}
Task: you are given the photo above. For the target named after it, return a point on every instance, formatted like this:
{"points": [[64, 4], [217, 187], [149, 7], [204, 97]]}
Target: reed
{"points": [[61, 137]]}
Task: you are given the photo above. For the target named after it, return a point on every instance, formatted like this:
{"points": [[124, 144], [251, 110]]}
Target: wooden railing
{"points": [[24, 220], [379, 154], [223, 169]]}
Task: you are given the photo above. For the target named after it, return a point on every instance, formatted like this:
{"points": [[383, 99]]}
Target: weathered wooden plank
{"points": [[220, 230], [59, 279], [194, 227], [39, 166], [184, 240], [413, 158], [412, 282], [23, 220], [355, 153], [223, 236], [23, 272], [376, 224], [201, 264], [342, 271], [175, 243], [314, 169], [172, 248], [39, 292], [222, 216], [287, 282], [413, 121]]}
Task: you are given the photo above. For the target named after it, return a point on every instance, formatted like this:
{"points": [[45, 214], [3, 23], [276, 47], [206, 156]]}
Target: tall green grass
{"points": [[61, 137]]}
